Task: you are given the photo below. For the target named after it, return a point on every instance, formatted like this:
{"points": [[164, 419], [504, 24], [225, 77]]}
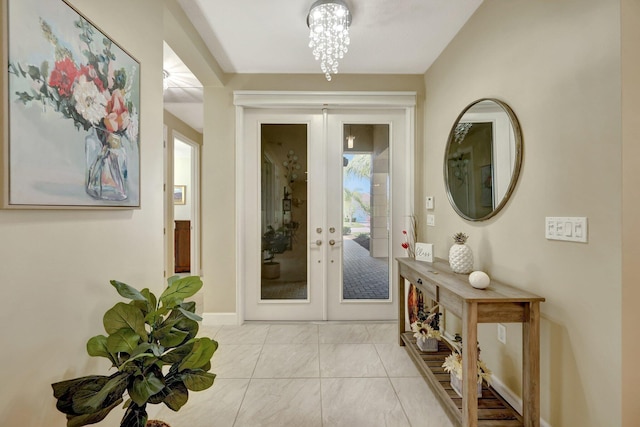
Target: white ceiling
{"points": [[271, 36]]}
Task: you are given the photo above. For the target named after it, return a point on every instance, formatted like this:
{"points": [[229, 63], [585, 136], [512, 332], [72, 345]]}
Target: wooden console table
{"points": [[499, 303]]}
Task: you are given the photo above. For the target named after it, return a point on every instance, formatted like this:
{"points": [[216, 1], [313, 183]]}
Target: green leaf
{"points": [[128, 291], [203, 349], [198, 380], [176, 395], [190, 315], [151, 298], [177, 354], [125, 316], [123, 340], [97, 346], [94, 397], [145, 387], [34, 72], [64, 391], [142, 348], [136, 416], [179, 290], [44, 69], [85, 419], [174, 338]]}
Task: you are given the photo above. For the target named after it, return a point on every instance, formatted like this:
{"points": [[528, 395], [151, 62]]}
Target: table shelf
{"points": [[493, 410]]}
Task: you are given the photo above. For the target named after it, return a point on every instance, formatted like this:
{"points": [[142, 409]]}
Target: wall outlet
{"points": [[502, 333]]}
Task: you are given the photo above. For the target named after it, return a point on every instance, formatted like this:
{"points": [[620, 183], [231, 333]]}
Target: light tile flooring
{"points": [[308, 375]]}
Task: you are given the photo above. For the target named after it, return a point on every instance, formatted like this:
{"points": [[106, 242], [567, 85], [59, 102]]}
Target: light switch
{"points": [[568, 229], [429, 202], [431, 220]]}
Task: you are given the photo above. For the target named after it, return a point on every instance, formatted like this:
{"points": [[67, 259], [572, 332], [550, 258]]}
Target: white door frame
{"points": [[317, 101]]}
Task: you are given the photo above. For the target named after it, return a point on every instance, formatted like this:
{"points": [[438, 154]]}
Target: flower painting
{"points": [[74, 107]]}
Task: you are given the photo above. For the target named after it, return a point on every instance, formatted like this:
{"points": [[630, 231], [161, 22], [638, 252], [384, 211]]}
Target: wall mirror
{"points": [[482, 159]]}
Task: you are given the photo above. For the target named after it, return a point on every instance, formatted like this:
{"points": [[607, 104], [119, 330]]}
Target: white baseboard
{"points": [[216, 319], [504, 391]]}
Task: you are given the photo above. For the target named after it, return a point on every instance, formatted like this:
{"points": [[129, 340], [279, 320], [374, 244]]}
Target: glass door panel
{"points": [[283, 230], [365, 204]]}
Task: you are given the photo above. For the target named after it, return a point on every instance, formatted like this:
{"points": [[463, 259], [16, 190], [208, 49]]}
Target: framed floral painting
{"points": [[72, 96]]}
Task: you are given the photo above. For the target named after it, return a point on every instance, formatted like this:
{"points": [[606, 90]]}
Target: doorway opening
{"points": [[186, 205]]}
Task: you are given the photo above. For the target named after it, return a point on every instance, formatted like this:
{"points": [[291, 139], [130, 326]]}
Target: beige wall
{"points": [[56, 265], [557, 64]]}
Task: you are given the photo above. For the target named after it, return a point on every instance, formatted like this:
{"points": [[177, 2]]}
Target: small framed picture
{"points": [[179, 196], [286, 205]]}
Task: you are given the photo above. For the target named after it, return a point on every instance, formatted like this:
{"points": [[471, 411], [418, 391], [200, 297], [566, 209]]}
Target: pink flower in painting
{"points": [[63, 76], [92, 76], [117, 118]]}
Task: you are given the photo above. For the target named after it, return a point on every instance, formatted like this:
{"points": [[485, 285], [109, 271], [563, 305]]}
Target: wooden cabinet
{"points": [[498, 303], [182, 246]]}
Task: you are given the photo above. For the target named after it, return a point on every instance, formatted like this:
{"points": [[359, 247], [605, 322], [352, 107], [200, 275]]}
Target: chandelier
{"points": [[328, 22]]}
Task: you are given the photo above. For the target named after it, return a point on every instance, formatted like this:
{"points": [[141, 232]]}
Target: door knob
{"points": [[319, 242], [318, 230], [332, 242], [332, 230]]}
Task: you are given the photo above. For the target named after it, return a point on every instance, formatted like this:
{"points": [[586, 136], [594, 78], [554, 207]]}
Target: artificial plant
{"points": [[152, 343]]}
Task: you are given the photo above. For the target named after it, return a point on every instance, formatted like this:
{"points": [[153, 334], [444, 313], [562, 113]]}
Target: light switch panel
{"points": [[569, 229]]}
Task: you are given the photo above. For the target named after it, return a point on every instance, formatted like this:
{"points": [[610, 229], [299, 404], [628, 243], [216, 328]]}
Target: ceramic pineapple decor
{"points": [[460, 255]]}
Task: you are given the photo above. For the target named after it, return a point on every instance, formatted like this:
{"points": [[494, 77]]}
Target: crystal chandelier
{"points": [[328, 22]]}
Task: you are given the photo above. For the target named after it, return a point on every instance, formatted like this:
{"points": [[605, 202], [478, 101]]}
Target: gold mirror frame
{"points": [[517, 162]]}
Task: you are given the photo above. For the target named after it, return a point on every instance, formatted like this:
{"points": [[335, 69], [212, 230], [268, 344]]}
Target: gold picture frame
{"points": [[53, 153], [179, 194]]}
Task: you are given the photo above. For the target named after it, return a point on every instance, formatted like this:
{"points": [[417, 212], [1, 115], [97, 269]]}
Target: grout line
{"points": [[404, 410]]}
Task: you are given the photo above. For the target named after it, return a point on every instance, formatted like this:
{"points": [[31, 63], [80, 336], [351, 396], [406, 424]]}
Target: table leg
{"points": [[531, 365], [469, 364], [401, 308]]}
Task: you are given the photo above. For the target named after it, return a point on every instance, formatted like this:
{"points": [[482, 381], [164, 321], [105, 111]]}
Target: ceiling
{"points": [[258, 36]]}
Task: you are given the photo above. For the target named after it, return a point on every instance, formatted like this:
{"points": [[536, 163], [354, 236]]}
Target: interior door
{"points": [[317, 247]]}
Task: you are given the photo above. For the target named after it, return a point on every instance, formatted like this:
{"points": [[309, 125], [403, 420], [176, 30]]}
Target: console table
{"points": [[499, 303]]}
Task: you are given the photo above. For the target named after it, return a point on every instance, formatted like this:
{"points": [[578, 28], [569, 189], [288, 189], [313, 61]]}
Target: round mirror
{"points": [[482, 160]]}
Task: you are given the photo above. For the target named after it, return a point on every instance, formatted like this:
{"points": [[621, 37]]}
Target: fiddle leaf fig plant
{"points": [[152, 344]]}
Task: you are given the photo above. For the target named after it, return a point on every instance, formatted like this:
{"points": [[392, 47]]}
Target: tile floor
{"points": [[308, 375]]}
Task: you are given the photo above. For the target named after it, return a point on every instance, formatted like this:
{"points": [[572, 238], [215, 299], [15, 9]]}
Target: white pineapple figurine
{"points": [[460, 255]]}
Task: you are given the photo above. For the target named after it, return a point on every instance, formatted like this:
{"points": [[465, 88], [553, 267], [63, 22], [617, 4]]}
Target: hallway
{"points": [[311, 375]]}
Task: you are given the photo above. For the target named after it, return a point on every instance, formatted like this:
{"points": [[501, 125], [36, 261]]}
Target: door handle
{"points": [[334, 243], [317, 243]]}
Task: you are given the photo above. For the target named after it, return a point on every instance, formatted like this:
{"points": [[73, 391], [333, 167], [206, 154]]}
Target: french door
{"points": [[325, 196]]}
